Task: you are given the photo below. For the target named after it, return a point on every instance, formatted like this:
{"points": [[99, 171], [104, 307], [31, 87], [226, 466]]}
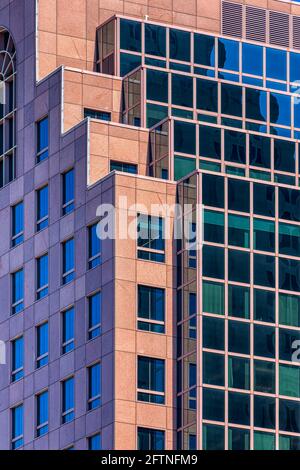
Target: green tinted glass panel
{"points": [[238, 301], [238, 230], [289, 310], [183, 166], [239, 373], [213, 437], [289, 442], [213, 226], [264, 441], [289, 380], [264, 376], [213, 297], [264, 235], [155, 113]]}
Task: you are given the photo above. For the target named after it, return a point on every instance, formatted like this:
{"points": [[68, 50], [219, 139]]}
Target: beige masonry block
{"points": [[125, 411], [47, 63], [71, 47], [159, 14], [125, 377], [125, 305], [73, 93], [47, 15], [209, 9], [279, 6], [73, 76], [166, 4], [101, 97], [123, 149], [72, 115], [133, 9], [47, 42], [71, 18], [98, 168], [125, 436], [151, 345], [152, 416], [188, 6], [99, 144], [125, 269], [150, 273], [125, 339]]}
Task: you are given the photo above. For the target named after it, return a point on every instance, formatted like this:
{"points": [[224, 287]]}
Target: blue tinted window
{"points": [[204, 50], [68, 261], [95, 114], [151, 439], [17, 371], [239, 337], [130, 35], [157, 86], [180, 45], [68, 324], [276, 63], [232, 99], [239, 408], [264, 270], [151, 308], [289, 274], [252, 59], [228, 54], [124, 167], [238, 195], [17, 291], [151, 377], [264, 341], [68, 192], [213, 404], [94, 247], [17, 224], [42, 414], [280, 109], [260, 151], [129, 62], [17, 427], [289, 204], [68, 400], [182, 90], [42, 277], [42, 208], [239, 266], [284, 155], [264, 412], [151, 236], [94, 442], [294, 68], [42, 139], [94, 315], [289, 412], [42, 345], [207, 95], [155, 40], [94, 373], [184, 137], [256, 104]]}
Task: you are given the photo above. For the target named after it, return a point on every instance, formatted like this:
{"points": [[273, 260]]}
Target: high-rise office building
{"points": [[153, 341]]}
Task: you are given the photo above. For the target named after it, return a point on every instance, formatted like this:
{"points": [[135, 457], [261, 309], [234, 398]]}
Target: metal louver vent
{"points": [[279, 29], [256, 21], [232, 19], [296, 32]]}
